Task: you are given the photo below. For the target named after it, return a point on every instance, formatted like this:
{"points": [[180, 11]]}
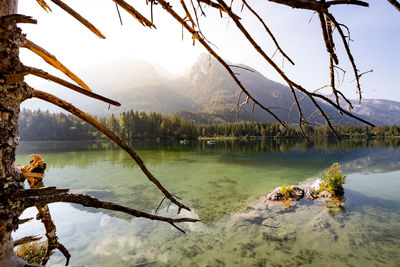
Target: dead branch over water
{"points": [[89, 201], [92, 121]]}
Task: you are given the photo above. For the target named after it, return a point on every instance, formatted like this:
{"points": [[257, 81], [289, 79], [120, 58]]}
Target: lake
{"points": [[224, 184]]}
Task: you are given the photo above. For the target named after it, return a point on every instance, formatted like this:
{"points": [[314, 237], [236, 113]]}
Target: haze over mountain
{"points": [[206, 93]]}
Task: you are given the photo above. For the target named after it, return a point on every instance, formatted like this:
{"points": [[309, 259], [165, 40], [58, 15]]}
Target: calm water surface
{"points": [[224, 184]]}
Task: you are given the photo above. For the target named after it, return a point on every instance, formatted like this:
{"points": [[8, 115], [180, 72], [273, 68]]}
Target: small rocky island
{"points": [[330, 185]]}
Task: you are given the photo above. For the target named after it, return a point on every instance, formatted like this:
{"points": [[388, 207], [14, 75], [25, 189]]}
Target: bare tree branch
{"points": [[318, 5], [159, 205], [9, 21], [269, 32], [44, 5], [47, 76], [240, 67], [119, 14], [89, 201], [282, 74], [22, 221], [302, 119], [51, 190], [341, 109], [328, 41], [78, 17], [89, 119], [131, 10], [52, 60], [195, 15], [252, 112], [395, 3], [26, 239], [347, 48], [345, 98], [214, 5], [237, 106], [211, 4], [187, 13], [246, 101], [272, 63]]}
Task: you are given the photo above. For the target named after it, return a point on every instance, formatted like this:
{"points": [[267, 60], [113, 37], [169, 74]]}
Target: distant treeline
{"points": [[134, 125]]}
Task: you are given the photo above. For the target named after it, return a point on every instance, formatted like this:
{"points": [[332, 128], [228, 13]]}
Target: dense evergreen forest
{"points": [[134, 125]]}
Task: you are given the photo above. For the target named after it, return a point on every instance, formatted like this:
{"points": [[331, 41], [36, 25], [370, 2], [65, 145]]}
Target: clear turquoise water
{"points": [[224, 184]]}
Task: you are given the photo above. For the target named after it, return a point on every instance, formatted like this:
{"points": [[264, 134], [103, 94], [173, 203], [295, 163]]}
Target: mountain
{"points": [[206, 94], [213, 89], [136, 84], [379, 111]]}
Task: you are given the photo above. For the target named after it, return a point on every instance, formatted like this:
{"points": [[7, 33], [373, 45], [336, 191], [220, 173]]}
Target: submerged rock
{"points": [[275, 194], [325, 194], [295, 194], [311, 188]]}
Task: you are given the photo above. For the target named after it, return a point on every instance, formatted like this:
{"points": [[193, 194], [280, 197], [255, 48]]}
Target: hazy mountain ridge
{"points": [[216, 93], [206, 94], [379, 111]]}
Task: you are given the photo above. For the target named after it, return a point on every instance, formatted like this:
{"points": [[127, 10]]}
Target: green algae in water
{"points": [[224, 184]]}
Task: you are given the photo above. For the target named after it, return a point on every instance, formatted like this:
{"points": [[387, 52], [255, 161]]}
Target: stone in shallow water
{"points": [[311, 188], [296, 194], [275, 194], [325, 194], [253, 217], [320, 225], [269, 222]]}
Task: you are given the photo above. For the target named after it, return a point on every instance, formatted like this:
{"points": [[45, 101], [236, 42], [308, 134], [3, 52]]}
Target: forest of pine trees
{"points": [[134, 125]]}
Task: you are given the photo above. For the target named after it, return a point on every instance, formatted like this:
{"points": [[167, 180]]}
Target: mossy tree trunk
{"points": [[11, 96]]}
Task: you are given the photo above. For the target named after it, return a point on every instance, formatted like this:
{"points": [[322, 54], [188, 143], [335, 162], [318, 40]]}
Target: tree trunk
{"points": [[11, 96]]}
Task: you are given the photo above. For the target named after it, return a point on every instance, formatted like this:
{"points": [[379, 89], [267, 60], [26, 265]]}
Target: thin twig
{"points": [[269, 32], [187, 13], [246, 101], [136, 14], [241, 67], [252, 112], [119, 14], [215, 5], [159, 205], [237, 106]]}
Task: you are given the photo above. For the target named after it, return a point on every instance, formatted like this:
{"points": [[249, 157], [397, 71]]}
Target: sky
{"points": [[375, 32]]}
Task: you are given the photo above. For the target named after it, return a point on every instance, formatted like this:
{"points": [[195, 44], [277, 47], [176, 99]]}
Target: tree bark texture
{"points": [[11, 96]]}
